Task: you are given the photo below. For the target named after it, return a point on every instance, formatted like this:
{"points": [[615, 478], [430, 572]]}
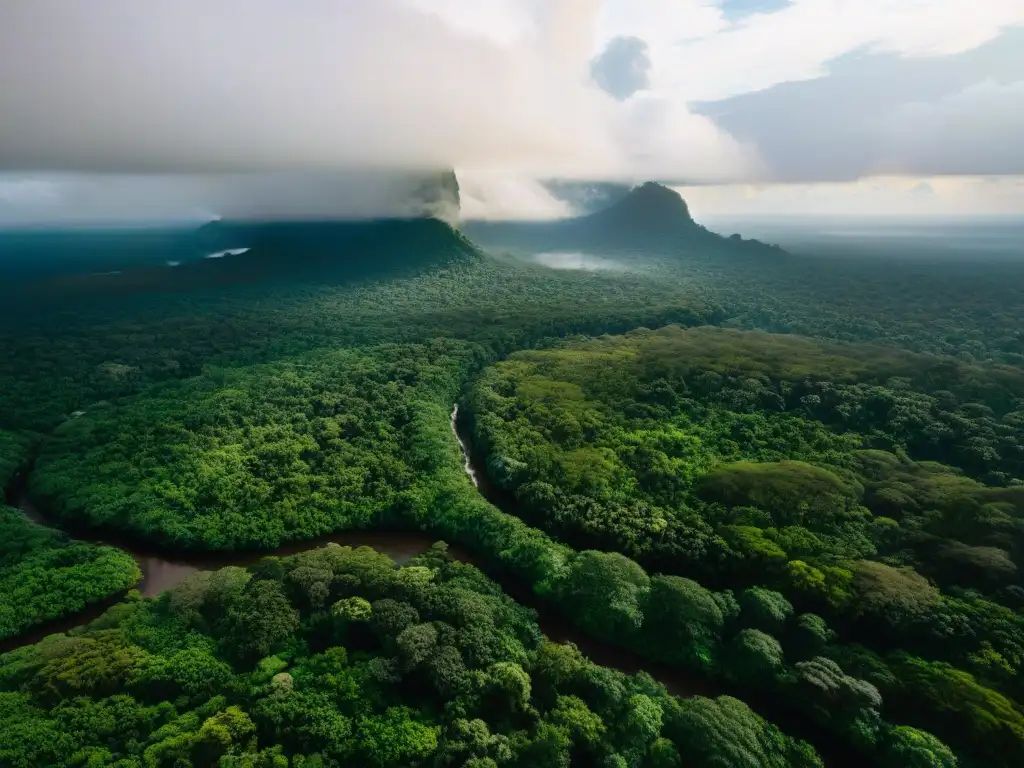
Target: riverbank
{"points": [[162, 569]]}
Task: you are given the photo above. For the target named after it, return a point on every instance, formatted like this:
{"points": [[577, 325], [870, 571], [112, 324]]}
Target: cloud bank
{"points": [[167, 108], [270, 85], [880, 113]]}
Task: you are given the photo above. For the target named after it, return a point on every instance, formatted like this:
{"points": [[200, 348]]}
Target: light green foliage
{"points": [[352, 609], [753, 658], [968, 714], [908, 747], [792, 492], [44, 575], [827, 585], [253, 457], [764, 609], [894, 595], [584, 727], [512, 682], [394, 738], [730, 460]]}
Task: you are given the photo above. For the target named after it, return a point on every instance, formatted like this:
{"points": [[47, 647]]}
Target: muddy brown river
{"points": [[162, 570]]}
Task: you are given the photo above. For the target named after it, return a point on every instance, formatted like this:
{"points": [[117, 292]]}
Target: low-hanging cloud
{"points": [[271, 85], [254, 106], [84, 199], [189, 86]]}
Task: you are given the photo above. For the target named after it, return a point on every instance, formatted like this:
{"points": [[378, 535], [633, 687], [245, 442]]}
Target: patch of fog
{"points": [[112, 272], [577, 260], [876, 233], [228, 252], [173, 263]]}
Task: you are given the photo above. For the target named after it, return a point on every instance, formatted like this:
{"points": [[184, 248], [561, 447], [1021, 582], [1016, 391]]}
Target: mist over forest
{"points": [[511, 384]]}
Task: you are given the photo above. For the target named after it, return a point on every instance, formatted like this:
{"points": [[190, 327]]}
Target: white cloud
{"points": [[975, 130], [193, 86], [879, 196], [491, 87], [190, 86], [504, 196], [667, 141], [796, 42]]}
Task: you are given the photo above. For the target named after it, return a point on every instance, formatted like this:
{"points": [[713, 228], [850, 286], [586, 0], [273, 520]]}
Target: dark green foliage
{"points": [[226, 669], [969, 715], [764, 609], [44, 575], [840, 702], [13, 454], [808, 637], [753, 658], [690, 621], [605, 593], [726, 732], [790, 498]]}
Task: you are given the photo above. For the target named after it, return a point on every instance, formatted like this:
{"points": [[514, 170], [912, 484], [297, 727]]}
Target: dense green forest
{"points": [[337, 657], [14, 451], [803, 478], [803, 490], [253, 457], [44, 575]]}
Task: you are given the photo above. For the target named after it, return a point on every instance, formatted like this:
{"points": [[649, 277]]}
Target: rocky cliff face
{"points": [[437, 195]]}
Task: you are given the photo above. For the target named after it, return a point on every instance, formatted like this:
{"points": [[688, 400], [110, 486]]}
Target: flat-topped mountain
{"points": [[230, 253]]}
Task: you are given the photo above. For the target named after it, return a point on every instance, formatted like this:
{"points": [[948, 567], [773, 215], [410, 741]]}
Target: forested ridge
{"points": [[828, 526]]}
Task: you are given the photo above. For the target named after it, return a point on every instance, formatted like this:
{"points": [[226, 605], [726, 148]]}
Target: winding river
{"points": [[162, 570]]}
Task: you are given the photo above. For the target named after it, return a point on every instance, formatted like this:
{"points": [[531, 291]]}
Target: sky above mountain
{"points": [[748, 99]]}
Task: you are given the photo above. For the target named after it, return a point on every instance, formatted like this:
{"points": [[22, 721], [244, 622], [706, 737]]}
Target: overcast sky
{"points": [[765, 105]]}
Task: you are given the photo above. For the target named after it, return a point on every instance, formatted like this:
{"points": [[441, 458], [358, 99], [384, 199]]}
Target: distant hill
{"points": [[37, 253], [256, 251], [651, 216]]}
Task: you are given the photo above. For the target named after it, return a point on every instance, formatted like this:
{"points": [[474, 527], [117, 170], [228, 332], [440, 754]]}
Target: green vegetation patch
{"points": [[14, 450], [792, 490], [337, 657], [253, 457], [44, 575]]}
